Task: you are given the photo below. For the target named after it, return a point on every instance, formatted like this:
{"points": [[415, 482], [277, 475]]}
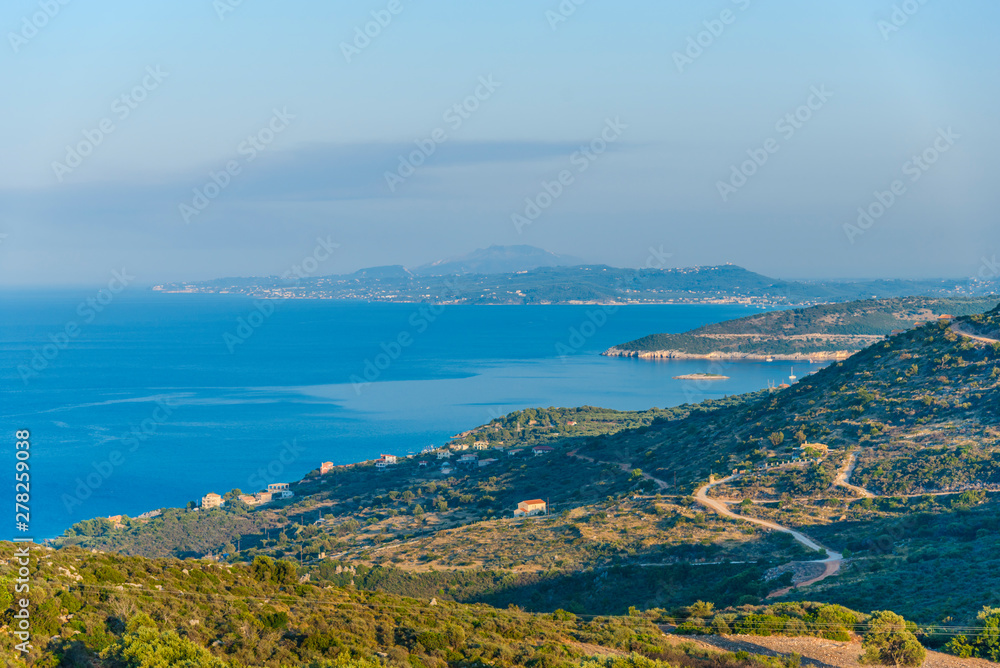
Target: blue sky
{"points": [[890, 92]]}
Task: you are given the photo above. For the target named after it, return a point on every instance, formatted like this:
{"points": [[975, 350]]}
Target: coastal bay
{"points": [[293, 390]]}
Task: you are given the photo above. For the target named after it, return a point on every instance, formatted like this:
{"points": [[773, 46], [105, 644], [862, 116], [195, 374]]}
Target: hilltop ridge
{"points": [[823, 332], [473, 281]]}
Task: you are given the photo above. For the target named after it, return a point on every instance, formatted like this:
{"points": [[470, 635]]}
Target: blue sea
{"points": [[150, 400]]}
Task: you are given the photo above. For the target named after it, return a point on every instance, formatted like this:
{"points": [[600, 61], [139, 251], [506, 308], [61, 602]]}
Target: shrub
{"points": [[890, 643], [148, 649], [986, 643]]}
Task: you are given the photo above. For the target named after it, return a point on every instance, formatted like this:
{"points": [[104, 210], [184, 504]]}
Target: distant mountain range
{"points": [[528, 275], [498, 260]]}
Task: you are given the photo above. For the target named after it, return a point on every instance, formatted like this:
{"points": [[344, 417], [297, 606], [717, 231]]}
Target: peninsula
{"points": [[823, 333]]}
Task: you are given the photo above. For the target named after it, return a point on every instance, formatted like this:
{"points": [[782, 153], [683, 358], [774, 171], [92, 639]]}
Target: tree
{"points": [[262, 568], [145, 648], [285, 572], [986, 643], [777, 438], [890, 643]]}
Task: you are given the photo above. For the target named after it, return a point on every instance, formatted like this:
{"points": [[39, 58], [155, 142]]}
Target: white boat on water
{"points": [[793, 377], [769, 359]]}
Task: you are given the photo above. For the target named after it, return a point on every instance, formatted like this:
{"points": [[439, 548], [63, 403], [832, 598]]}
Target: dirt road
{"points": [[844, 477], [981, 339], [831, 563]]}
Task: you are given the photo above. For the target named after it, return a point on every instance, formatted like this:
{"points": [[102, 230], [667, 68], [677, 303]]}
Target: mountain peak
{"points": [[498, 260]]}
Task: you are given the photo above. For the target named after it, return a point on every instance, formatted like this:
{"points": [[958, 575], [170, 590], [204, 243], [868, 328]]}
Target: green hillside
{"points": [[818, 329], [918, 412], [108, 611]]}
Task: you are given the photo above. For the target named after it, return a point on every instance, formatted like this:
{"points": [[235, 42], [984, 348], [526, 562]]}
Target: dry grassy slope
{"points": [[925, 380], [818, 652]]}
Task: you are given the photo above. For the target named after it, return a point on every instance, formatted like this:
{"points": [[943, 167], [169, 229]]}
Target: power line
{"points": [[282, 596]]}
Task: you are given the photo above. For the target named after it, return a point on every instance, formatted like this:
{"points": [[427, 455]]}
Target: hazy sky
{"points": [[116, 112]]}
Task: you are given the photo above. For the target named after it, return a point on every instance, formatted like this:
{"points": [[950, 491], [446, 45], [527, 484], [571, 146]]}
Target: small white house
{"points": [[531, 507]]}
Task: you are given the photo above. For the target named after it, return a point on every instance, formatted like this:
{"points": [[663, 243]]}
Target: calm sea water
{"points": [[154, 400]]}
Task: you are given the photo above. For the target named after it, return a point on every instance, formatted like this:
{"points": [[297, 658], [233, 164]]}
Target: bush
{"points": [[986, 643], [148, 649], [890, 643]]}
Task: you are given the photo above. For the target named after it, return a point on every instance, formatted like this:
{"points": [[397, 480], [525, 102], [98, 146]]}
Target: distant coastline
{"points": [[827, 356], [692, 301]]}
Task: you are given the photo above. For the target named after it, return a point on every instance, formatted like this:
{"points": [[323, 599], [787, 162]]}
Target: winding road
{"points": [[831, 564], [844, 477], [834, 560]]}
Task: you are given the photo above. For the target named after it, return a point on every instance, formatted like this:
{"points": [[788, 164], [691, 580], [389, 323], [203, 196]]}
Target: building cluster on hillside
{"points": [[277, 490]]}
